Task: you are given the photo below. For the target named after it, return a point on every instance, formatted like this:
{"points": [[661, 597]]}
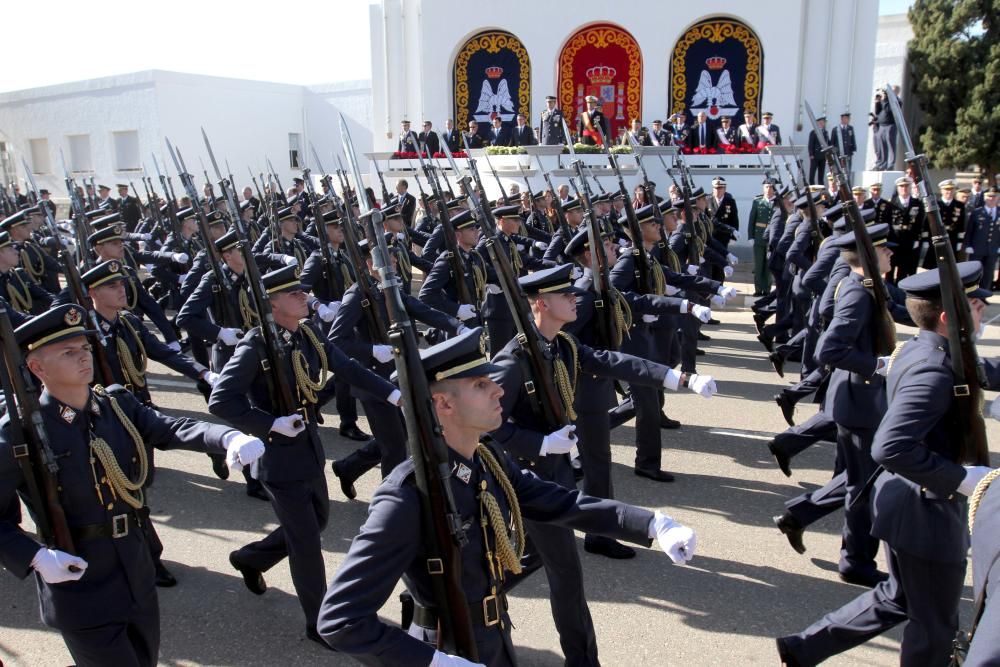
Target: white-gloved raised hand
{"points": [[692, 269], [559, 442], [288, 425], [882, 366], [174, 345], [670, 290], [727, 271], [228, 336], [145, 237], [970, 251], [649, 319], [211, 378], [493, 289], [466, 311], [382, 353], [180, 257], [327, 312], [677, 541], [703, 385], [973, 476], [718, 300], [53, 566], [243, 450], [727, 292], [447, 660], [541, 245], [519, 246], [995, 409], [703, 313], [289, 260], [732, 259], [623, 243]]}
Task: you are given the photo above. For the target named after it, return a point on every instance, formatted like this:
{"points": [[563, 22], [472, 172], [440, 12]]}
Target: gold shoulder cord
{"points": [[405, 267], [307, 387], [33, 273], [977, 495], [346, 275], [19, 298], [249, 315], [623, 316], [565, 382], [509, 540], [659, 279], [478, 276], [516, 262], [134, 374], [131, 294], [892, 357], [673, 261], [129, 491]]}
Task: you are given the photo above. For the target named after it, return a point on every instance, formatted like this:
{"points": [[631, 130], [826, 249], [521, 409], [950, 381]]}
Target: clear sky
{"points": [[270, 40], [886, 7]]}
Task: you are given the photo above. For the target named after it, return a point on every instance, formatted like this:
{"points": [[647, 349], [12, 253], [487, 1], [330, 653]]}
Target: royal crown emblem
{"points": [[601, 74], [715, 63], [73, 317], [494, 72]]}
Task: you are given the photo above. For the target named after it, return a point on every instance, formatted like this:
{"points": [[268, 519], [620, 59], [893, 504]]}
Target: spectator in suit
{"points": [[843, 139], [523, 135], [451, 136], [429, 138], [817, 161], [406, 202], [701, 135], [499, 135], [473, 137]]}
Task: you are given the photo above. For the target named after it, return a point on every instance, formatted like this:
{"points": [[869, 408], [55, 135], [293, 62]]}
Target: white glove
{"points": [[461, 329], [174, 345], [623, 243], [718, 300], [243, 450], [559, 442], [466, 311], [519, 246], [649, 319], [670, 290], [493, 289], [727, 271], [327, 312], [576, 273], [703, 385], [736, 235], [211, 378], [995, 409], [289, 260], [229, 336], [916, 244], [882, 367], [181, 278], [973, 475], [677, 541], [447, 660], [692, 269], [180, 257], [732, 259], [288, 425], [395, 397], [969, 251], [382, 353], [541, 245], [145, 237], [728, 293], [703, 313], [53, 566], [401, 236]]}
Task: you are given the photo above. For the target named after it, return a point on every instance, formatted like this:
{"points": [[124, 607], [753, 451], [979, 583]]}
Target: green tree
{"points": [[955, 62]]}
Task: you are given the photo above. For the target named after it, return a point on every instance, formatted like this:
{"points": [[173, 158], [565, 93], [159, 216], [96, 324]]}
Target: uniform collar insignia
{"points": [[287, 335], [106, 326], [67, 413], [463, 472], [94, 407]]}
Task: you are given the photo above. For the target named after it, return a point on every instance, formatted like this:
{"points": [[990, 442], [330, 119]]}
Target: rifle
{"points": [[691, 237], [274, 175], [31, 446], [385, 192], [608, 331], [556, 203], [423, 195], [172, 223], [965, 366], [816, 230], [885, 330], [79, 296], [81, 230], [442, 522], [590, 170], [324, 240], [531, 196], [503, 190]]}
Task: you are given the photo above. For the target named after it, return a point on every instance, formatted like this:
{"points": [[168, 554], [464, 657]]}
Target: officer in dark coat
{"points": [[953, 217], [129, 207], [551, 124], [817, 159], [907, 231], [291, 469], [982, 236], [919, 502], [591, 125], [390, 545], [842, 137], [102, 599]]}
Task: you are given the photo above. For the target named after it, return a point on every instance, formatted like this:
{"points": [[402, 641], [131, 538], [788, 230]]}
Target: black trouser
{"points": [[302, 508], [854, 451], [131, 642], [800, 437], [347, 405], [388, 448], [816, 168]]}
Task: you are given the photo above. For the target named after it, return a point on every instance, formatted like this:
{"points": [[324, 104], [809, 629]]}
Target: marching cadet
{"points": [[907, 230], [555, 253], [435, 243], [439, 289], [292, 466], [129, 208], [401, 247], [292, 247], [495, 498], [551, 125], [590, 121], [40, 266], [982, 236], [327, 285], [984, 516], [23, 293], [101, 599], [350, 332], [953, 217], [760, 215], [182, 244], [919, 509]]}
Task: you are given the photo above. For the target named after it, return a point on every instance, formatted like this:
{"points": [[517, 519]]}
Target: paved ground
{"points": [[744, 587]]}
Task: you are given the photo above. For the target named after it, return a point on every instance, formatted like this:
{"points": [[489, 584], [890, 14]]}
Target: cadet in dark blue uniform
{"points": [[293, 463], [107, 610], [40, 265], [467, 405], [350, 333], [544, 448], [23, 293], [918, 504], [984, 518], [439, 289]]}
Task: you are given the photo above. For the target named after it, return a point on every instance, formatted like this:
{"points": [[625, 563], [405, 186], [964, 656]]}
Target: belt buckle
{"points": [[119, 526], [491, 610]]}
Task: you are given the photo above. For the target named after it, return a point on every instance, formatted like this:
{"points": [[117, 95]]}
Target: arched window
{"points": [[492, 77]]}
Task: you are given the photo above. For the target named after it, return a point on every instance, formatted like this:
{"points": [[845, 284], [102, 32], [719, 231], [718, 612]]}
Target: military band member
{"points": [[16, 285], [918, 503], [551, 124], [982, 236], [101, 599], [467, 404], [590, 121], [292, 467]]}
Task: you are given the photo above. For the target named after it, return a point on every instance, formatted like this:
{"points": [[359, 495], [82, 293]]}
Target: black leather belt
{"points": [[487, 613], [116, 528]]}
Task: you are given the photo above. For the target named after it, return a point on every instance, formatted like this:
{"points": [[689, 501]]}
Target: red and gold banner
{"points": [[605, 61]]}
